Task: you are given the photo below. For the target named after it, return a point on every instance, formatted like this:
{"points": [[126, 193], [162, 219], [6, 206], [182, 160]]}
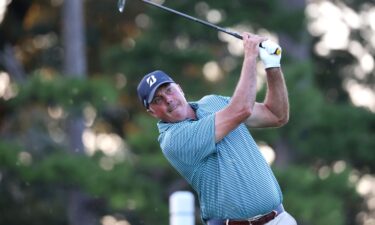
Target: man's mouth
{"points": [[172, 108]]}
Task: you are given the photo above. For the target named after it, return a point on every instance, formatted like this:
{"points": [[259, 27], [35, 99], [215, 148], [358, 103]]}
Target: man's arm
{"points": [[242, 102], [274, 111]]}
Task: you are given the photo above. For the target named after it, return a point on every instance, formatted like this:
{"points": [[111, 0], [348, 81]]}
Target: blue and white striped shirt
{"points": [[231, 177]]}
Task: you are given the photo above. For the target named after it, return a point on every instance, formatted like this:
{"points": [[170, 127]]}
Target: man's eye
{"points": [[169, 90], [157, 101]]}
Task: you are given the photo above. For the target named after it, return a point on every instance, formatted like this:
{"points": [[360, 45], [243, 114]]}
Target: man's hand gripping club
{"points": [[270, 54]]}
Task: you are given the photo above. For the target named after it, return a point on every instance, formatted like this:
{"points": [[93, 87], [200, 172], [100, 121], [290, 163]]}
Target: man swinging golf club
{"points": [[208, 143]]}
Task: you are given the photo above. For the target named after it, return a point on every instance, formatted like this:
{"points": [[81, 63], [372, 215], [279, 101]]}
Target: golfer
{"points": [[208, 143]]}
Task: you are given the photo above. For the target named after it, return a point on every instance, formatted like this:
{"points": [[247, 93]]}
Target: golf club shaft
{"points": [[235, 34]]}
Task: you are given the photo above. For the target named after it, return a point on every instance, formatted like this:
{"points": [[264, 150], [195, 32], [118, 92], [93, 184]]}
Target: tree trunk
{"points": [[298, 50], [74, 39], [295, 48], [11, 64], [75, 66]]}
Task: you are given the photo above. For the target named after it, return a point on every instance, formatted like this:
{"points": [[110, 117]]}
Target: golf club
{"points": [[121, 6]]}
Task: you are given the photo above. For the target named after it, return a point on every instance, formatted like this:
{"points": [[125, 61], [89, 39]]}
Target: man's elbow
{"points": [[281, 121], [279, 118]]}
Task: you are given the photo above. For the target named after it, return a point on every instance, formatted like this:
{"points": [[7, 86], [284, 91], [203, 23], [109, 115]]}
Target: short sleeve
{"points": [[189, 142]]}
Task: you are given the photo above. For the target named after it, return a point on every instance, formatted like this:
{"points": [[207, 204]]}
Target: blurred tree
{"points": [[10, 35], [36, 175], [79, 204], [79, 209]]}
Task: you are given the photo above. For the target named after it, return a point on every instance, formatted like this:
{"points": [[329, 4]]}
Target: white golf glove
{"points": [[270, 54]]}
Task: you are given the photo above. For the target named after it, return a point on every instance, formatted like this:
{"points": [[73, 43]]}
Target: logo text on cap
{"points": [[151, 80]]}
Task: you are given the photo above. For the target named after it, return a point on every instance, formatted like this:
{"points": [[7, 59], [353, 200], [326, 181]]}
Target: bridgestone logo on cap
{"points": [[151, 80]]}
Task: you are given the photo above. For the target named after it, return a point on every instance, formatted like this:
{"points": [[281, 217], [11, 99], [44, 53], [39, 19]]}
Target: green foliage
{"points": [[351, 140], [184, 64], [68, 92], [321, 131], [8, 155], [61, 171], [315, 200], [143, 39]]}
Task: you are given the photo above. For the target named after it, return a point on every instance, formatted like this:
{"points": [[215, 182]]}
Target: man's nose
{"points": [[168, 99]]}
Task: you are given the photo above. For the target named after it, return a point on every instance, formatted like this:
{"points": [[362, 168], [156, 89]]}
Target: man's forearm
{"points": [[277, 95], [241, 105], [245, 92]]}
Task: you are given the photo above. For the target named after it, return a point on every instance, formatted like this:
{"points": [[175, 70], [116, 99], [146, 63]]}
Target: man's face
{"points": [[169, 104]]}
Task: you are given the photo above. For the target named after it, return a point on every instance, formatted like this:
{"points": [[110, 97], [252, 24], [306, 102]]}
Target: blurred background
{"points": [[77, 147]]}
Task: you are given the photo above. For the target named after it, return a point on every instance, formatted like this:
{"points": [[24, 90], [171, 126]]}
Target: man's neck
{"points": [[191, 113]]}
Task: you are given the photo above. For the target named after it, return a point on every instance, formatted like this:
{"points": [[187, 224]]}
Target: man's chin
{"points": [[174, 110], [176, 115]]}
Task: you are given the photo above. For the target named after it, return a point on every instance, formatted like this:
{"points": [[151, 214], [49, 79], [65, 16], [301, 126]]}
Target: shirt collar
{"points": [[163, 126]]}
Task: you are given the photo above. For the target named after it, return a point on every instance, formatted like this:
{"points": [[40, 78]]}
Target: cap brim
{"points": [[152, 93]]}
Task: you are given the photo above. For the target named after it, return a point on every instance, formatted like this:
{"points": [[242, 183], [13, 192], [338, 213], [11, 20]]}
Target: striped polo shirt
{"points": [[231, 177]]}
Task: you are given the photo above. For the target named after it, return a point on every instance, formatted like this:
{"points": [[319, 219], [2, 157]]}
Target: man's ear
{"points": [[151, 112], [179, 87]]}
